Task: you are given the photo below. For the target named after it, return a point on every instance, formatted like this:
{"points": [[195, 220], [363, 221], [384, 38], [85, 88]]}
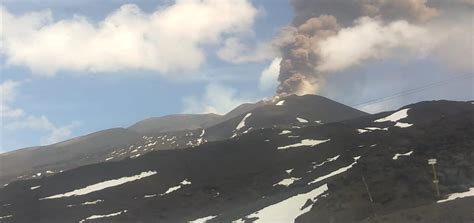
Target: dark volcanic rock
{"points": [[243, 177], [169, 132]]}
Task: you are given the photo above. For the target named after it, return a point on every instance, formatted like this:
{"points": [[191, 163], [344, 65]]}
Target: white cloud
{"points": [[41, 123], [217, 99], [456, 48], [8, 94], [269, 76], [444, 39], [16, 119], [371, 39], [234, 51], [169, 39]]}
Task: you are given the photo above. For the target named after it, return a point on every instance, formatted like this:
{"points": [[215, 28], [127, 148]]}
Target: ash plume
{"points": [[323, 37]]}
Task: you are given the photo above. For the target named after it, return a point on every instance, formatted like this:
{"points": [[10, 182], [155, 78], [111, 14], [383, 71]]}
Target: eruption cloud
{"points": [[327, 36]]}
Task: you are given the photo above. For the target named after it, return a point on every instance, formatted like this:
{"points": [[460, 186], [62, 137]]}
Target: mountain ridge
{"points": [[241, 179]]}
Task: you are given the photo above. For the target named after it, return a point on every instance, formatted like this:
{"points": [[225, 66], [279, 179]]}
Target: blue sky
{"points": [[66, 102]]}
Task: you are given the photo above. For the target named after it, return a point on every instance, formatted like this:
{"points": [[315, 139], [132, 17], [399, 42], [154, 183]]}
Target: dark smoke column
{"points": [[317, 20], [300, 55]]}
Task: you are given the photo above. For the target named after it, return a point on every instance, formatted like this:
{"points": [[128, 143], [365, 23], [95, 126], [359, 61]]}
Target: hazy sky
{"points": [[74, 67]]}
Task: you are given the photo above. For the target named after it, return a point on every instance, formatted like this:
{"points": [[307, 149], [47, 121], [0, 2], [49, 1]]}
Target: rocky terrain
{"points": [[370, 168], [169, 132]]}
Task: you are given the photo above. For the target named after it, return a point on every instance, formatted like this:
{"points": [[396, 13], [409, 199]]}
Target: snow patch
{"points": [[287, 210], [203, 220], [109, 158], [302, 120], [376, 128], [202, 133], [395, 117], [135, 156], [362, 131], [102, 185], [403, 125], [246, 131], [92, 202], [35, 187], [102, 216], [175, 188], [287, 182], [305, 142], [242, 123], [326, 161], [280, 103], [288, 171], [6, 216], [334, 173], [150, 195], [454, 196], [396, 156], [284, 132]]}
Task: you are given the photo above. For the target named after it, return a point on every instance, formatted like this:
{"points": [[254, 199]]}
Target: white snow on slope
{"points": [[362, 131], [284, 132], [171, 189], [280, 103], [287, 210], [287, 182], [102, 216], [150, 195], [302, 120], [203, 220], [396, 156], [135, 156], [247, 131], [334, 173], [402, 125], [305, 142], [454, 196], [92, 202], [102, 185], [6, 216], [395, 117], [242, 123], [376, 128], [35, 187], [202, 133], [326, 161], [288, 171]]}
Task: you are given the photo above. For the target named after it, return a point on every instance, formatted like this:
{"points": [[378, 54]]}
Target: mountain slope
{"points": [[180, 122], [290, 111], [172, 123], [158, 134], [307, 174], [26, 163]]}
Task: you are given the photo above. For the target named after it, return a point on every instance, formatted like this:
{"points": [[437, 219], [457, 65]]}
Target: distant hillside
{"points": [[172, 123], [169, 132]]}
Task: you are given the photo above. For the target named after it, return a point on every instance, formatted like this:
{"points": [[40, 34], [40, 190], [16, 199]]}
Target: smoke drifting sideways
{"points": [[327, 36]]}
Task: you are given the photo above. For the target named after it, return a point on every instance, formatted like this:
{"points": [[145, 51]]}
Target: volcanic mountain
{"points": [[170, 132], [371, 168]]}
